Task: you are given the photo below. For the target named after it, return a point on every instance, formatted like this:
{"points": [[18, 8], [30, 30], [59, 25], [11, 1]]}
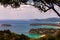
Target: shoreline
{"points": [[43, 35], [37, 24]]}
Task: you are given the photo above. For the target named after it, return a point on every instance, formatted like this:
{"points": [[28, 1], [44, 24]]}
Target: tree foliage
{"points": [[8, 35], [43, 5], [46, 5]]}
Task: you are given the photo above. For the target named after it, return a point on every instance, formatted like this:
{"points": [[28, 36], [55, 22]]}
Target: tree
{"points": [[43, 5]]}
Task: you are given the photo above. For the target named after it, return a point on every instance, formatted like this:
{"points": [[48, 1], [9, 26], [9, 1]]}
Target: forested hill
{"points": [[47, 20], [31, 20], [8, 35]]}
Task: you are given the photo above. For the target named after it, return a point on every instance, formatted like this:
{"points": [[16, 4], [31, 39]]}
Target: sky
{"points": [[26, 12]]}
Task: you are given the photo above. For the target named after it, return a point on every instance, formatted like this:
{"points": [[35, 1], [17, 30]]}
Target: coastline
{"points": [[43, 35], [37, 24]]}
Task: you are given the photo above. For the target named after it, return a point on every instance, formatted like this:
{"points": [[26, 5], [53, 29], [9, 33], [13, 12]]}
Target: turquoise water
{"points": [[35, 36], [20, 27], [44, 27]]}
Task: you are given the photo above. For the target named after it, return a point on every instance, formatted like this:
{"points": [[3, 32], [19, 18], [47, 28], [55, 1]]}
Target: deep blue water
{"points": [[23, 27]]}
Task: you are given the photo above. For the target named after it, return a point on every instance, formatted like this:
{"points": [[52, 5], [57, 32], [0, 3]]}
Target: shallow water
{"points": [[35, 36], [20, 27]]}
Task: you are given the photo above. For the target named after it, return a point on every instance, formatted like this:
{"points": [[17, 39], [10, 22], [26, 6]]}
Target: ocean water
{"points": [[31, 35], [20, 27]]}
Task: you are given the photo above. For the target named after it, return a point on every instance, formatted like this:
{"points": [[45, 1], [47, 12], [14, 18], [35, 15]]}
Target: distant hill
{"points": [[47, 20]]}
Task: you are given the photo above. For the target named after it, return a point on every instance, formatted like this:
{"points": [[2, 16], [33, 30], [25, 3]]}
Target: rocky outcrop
{"points": [[43, 31], [6, 25]]}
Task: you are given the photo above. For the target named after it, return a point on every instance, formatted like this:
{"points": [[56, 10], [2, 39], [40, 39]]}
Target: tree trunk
{"points": [[56, 12]]}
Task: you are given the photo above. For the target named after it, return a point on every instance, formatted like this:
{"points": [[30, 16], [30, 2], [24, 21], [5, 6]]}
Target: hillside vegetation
{"points": [[8, 35]]}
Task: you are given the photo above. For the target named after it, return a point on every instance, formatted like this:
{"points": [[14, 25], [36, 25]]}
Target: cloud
{"points": [[25, 12]]}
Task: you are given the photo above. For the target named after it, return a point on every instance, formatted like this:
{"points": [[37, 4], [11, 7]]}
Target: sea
{"points": [[23, 27]]}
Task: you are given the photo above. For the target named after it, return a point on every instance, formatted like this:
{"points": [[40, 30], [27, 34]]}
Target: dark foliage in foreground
{"points": [[8, 35]]}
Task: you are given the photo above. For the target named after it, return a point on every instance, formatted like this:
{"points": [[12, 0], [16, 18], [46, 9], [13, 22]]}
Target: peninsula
{"points": [[43, 24]]}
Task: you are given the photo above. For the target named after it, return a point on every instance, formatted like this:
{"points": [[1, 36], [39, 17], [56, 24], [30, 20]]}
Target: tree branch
{"points": [[56, 12]]}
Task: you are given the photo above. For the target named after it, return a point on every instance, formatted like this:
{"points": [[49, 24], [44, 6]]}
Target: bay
{"points": [[23, 27]]}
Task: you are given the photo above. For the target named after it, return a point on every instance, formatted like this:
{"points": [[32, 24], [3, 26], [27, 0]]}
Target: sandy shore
{"points": [[43, 35]]}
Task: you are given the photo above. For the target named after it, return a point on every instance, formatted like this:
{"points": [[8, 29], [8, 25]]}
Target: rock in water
{"points": [[6, 25]]}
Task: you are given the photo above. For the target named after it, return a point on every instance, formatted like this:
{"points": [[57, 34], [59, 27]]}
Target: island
{"points": [[6, 25]]}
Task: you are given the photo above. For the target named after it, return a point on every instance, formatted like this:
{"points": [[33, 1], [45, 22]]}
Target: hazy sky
{"points": [[25, 12]]}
